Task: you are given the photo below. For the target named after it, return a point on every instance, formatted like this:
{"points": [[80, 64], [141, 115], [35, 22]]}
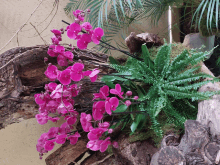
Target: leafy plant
{"points": [[117, 15], [165, 86]]}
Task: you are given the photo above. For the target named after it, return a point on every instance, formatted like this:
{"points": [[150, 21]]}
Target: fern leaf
{"points": [[162, 60]]}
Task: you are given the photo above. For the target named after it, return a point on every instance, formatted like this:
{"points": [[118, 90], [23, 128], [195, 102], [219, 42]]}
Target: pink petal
{"points": [[75, 27], [49, 145], [69, 55], [61, 139], [104, 145], [71, 34], [71, 120], [94, 72], [118, 87], [76, 76], [108, 108], [64, 77], [62, 61], [78, 67]]}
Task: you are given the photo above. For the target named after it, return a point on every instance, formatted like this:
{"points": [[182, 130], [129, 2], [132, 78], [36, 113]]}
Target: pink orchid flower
{"points": [[64, 107], [51, 51], [76, 72], [98, 110], [94, 145], [51, 86], [76, 13], [51, 72], [57, 93], [57, 33], [53, 132], [104, 125], [74, 138], [87, 26], [117, 91], [104, 145], [74, 90], [55, 40], [68, 55], [61, 139], [65, 128], [103, 93], [97, 35], [59, 49], [53, 119], [41, 118], [51, 106], [62, 60], [39, 98], [64, 77], [93, 75], [71, 120], [49, 145], [83, 42], [95, 133], [111, 104], [85, 121], [73, 30]]}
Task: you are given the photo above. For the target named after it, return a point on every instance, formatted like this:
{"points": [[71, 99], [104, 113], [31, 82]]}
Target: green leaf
{"points": [[162, 60], [113, 61], [138, 119], [120, 108], [146, 56]]}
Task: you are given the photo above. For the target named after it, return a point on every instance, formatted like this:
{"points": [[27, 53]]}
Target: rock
{"points": [[209, 111], [195, 138], [191, 149], [138, 153], [209, 114], [134, 41], [196, 40], [171, 156]]}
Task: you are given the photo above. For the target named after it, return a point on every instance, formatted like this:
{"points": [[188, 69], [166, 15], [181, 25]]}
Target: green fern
{"points": [[168, 85]]}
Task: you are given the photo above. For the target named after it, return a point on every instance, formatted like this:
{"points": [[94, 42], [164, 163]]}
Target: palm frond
{"points": [[209, 10]]}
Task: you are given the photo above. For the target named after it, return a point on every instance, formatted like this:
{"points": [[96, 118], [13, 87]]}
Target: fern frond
{"points": [[162, 60], [187, 78]]}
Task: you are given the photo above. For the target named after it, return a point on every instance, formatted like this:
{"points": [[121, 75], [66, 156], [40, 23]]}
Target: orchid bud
{"points": [[128, 93], [136, 97], [45, 59], [127, 103], [77, 20]]}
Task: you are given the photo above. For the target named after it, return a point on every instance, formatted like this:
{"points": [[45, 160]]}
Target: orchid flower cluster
{"points": [[58, 98], [74, 31]]}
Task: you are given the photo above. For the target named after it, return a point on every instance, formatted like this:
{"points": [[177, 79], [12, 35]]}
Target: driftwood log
{"points": [[22, 75], [134, 42]]}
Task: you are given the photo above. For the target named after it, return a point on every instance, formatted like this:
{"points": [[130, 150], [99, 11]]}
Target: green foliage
{"points": [[207, 16], [165, 86], [116, 16]]}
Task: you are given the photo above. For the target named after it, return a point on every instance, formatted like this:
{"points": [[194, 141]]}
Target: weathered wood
{"points": [[22, 72]]}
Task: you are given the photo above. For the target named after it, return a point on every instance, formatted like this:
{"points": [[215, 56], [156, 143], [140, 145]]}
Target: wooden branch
{"points": [[38, 33]]}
